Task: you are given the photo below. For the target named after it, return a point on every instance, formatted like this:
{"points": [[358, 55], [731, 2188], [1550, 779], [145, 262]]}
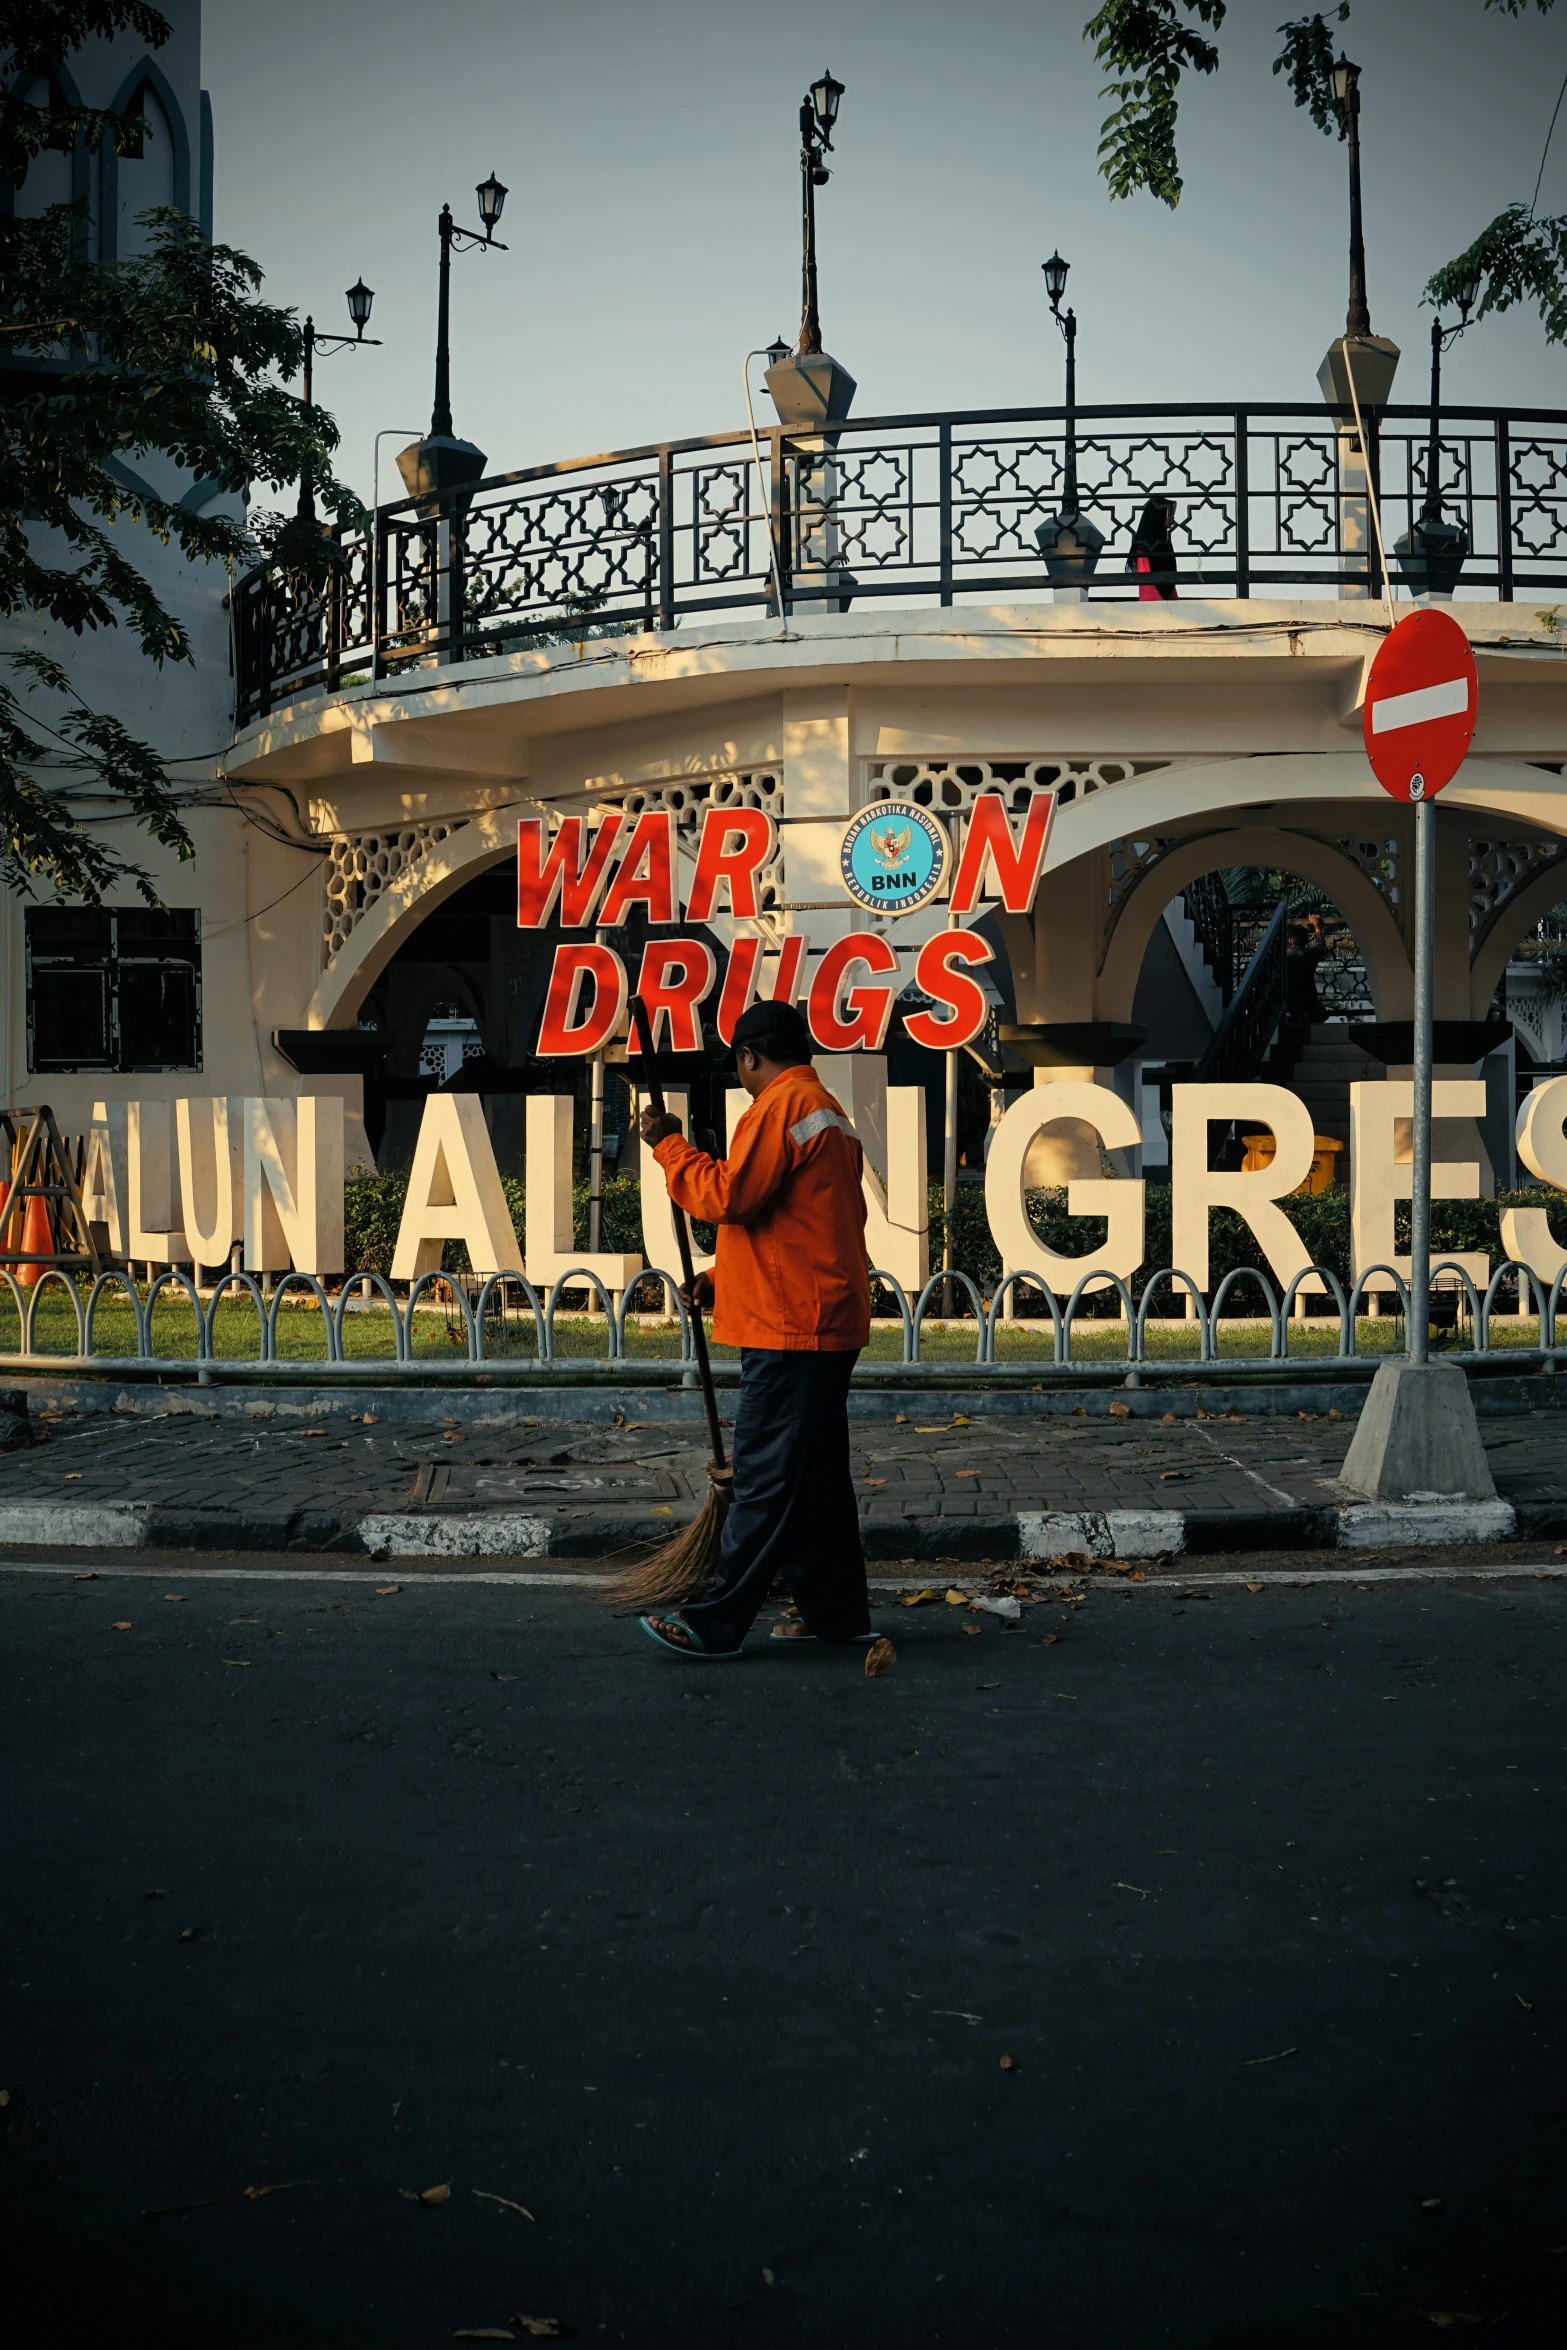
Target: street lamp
{"points": [[440, 461], [1069, 542], [1346, 99], [1433, 551], [810, 387], [1374, 358], [359, 298]]}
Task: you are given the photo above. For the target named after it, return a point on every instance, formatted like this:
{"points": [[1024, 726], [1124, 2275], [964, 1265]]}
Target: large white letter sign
{"points": [[151, 1229], [1381, 1177], [1196, 1187], [212, 1162], [658, 1223], [1121, 1199], [551, 1250], [1526, 1232], [293, 1184], [105, 1177], [454, 1193]]}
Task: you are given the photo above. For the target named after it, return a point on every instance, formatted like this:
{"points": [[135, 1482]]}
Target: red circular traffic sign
{"points": [[1421, 699]]}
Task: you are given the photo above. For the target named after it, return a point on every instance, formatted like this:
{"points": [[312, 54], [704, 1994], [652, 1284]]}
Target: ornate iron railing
{"points": [[1212, 918], [473, 1334], [933, 509]]}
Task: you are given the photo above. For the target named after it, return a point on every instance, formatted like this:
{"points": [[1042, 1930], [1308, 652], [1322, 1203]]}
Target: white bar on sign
{"points": [[1450, 699]]}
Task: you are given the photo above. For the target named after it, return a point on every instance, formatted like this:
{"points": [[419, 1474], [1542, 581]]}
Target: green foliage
{"points": [[1307, 59], [173, 350], [1516, 259], [1146, 47]]}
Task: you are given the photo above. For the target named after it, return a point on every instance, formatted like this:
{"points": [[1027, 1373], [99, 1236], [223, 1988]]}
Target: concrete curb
{"points": [[1033, 1534]]}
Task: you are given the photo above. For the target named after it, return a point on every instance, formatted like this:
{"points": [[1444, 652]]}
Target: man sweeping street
{"points": [[791, 1289]]}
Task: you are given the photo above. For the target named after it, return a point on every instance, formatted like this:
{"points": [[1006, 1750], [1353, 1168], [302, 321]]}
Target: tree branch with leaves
{"points": [[1148, 45], [173, 351]]}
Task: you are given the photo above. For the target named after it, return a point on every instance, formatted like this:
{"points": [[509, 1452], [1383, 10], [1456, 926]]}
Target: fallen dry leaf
{"points": [[873, 1480], [915, 1598], [1254, 1586], [190, 1933], [1526, 2004], [1007, 2065], [968, 1472], [486, 2197], [1050, 1639], [973, 1630], [255, 2194], [483, 2334], [878, 1657], [387, 1590], [91, 1576], [241, 1662], [663, 1509], [369, 1418], [1432, 2203], [5, 2097], [1138, 1576], [178, 1597], [73, 1476], [957, 1598], [549, 2327], [900, 1419], [1169, 1415], [987, 1684], [1120, 1411], [122, 1627], [768, 2277]]}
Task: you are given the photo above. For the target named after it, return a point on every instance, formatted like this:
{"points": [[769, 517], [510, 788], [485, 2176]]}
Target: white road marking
{"points": [[1450, 699]]}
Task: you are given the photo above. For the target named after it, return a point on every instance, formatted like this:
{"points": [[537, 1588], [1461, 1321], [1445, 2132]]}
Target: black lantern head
{"points": [[1346, 81], [1467, 291], [359, 298], [1055, 270], [777, 351], [491, 197], [825, 95]]}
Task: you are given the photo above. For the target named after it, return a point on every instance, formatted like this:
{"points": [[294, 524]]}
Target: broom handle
{"points": [[683, 1243]]}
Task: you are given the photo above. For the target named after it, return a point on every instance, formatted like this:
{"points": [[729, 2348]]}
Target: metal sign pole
{"points": [[1417, 1327]]}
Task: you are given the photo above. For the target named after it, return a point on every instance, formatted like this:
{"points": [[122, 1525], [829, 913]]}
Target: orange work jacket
{"points": [[791, 1270]]}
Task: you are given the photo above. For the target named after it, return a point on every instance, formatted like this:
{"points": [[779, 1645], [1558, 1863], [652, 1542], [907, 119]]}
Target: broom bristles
{"points": [[684, 1567]]}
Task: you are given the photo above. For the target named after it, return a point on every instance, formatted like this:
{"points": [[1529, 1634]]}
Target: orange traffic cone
{"points": [[37, 1240]]}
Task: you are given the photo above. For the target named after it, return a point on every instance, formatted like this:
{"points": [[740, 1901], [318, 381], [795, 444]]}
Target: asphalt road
{"points": [[1196, 1977]]}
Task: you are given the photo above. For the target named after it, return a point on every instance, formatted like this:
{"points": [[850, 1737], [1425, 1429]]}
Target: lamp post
{"points": [[1433, 551], [809, 387], [440, 461], [359, 298], [1356, 375], [1346, 98], [1069, 543], [818, 113]]}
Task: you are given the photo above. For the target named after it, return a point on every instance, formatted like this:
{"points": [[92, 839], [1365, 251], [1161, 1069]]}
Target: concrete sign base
{"points": [[1418, 1438]]}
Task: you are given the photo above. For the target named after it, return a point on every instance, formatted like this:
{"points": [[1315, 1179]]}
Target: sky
{"points": [[651, 154]]}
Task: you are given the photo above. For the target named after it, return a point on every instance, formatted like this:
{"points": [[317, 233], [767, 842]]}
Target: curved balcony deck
{"points": [[933, 510]]}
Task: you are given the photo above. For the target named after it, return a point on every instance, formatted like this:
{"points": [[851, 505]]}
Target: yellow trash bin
{"points": [[1260, 1149]]}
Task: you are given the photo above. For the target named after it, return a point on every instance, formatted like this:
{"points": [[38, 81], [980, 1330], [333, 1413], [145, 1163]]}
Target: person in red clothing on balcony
{"points": [[791, 1288]]}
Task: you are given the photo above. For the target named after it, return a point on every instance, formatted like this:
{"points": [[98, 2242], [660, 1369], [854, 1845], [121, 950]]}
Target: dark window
{"points": [[113, 988]]}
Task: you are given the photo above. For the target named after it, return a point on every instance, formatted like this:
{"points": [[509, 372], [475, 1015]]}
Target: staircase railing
{"points": [[1241, 1040], [1208, 910]]}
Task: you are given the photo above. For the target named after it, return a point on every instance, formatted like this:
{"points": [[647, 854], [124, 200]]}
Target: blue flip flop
{"points": [[697, 1655]]}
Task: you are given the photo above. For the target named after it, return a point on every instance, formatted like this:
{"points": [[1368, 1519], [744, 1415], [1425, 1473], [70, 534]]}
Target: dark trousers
{"points": [[794, 1511]]}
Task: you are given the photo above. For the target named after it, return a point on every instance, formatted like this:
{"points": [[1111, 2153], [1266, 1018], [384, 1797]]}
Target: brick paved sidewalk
{"points": [[996, 1486]]}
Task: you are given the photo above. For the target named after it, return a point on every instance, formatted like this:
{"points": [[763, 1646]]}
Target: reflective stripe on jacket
{"points": [[791, 1269]]}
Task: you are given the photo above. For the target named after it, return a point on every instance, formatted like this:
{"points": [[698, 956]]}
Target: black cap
{"points": [[775, 1030]]}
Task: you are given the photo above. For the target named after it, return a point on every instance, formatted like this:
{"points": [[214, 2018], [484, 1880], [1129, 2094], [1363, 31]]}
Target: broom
{"points": [[685, 1565]]}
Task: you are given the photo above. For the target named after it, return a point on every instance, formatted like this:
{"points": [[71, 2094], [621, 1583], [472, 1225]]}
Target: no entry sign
{"points": [[1421, 698]]}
